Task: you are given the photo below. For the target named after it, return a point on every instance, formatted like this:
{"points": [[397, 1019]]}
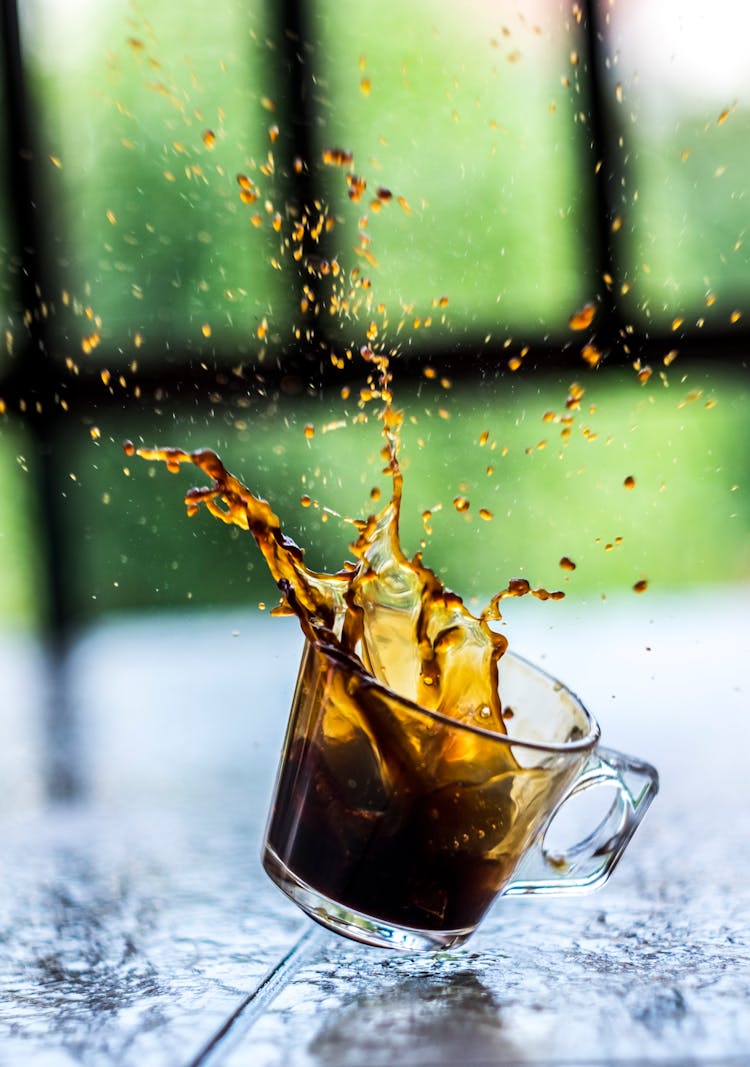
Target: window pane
{"points": [[465, 115], [678, 91], [541, 495], [19, 574], [147, 121]]}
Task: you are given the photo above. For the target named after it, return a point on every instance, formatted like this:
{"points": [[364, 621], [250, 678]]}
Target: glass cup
{"points": [[398, 826]]}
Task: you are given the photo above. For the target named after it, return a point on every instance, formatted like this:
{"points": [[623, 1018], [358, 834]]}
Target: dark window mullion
{"points": [[606, 163], [292, 70], [33, 387]]}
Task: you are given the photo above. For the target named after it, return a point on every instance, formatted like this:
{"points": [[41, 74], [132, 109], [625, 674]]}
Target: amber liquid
{"points": [[394, 813], [378, 806]]}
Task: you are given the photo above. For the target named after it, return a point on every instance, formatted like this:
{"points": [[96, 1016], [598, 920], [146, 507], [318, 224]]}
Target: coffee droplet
{"points": [[567, 564], [629, 482], [460, 503], [641, 586], [582, 319], [128, 448], [337, 157], [591, 355]]}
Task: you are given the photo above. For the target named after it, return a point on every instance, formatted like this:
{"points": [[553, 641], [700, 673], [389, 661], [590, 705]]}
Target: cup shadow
{"points": [[420, 1020]]}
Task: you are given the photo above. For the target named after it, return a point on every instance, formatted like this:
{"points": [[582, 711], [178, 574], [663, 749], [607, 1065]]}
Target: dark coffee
{"points": [[394, 813]]}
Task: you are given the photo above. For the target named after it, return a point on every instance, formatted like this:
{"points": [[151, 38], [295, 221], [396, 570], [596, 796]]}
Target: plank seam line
{"points": [[248, 1011]]}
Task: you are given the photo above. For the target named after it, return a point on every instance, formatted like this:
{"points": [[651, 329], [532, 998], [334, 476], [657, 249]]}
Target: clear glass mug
{"points": [[398, 826]]}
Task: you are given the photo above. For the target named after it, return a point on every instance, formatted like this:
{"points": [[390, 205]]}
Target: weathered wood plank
{"points": [[129, 939], [653, 969], [132, 926], [140, 929]]}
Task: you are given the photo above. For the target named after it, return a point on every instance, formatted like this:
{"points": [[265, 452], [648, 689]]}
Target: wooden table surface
{"points": [[138, 928]]}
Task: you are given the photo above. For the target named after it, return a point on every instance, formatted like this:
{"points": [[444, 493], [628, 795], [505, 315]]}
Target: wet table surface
{"points": [[138, 928]]}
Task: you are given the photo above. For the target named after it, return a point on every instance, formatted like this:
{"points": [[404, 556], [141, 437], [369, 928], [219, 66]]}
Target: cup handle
{"points": [[589, 863]]}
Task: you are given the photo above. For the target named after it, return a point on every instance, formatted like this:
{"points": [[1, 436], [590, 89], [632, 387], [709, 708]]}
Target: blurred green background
{"points": [[479, 123]]}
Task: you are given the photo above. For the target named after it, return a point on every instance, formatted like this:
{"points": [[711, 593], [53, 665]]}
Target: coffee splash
{"points": [[390, 613]]}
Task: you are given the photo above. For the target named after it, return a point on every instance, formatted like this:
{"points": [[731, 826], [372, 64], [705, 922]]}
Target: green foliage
{"points": [[480, 137], [686, 232], [149, 226], [686, 521], [19, 573]]}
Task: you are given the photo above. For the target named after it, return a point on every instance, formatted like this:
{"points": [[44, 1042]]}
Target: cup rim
{"points": [[582, 744]]}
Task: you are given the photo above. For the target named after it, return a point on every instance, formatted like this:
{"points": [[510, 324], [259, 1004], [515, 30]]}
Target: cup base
{"points": [[354, 924]]}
